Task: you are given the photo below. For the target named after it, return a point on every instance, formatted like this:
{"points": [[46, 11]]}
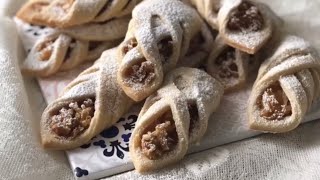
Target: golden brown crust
{"points": [[291, 66], [189, 96], [156, 39], [110, 103], [241, 32], [59, 52], [67, 13]]}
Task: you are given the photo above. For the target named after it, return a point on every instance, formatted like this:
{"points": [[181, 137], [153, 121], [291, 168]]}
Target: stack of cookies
{"points": [[179, 57]]}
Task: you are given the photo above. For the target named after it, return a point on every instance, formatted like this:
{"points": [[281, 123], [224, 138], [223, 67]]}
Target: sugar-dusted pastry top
{"points": [[173, 118], [89, 104], [245, 24], [159, 35], [59, 52], [67, 13], [286, 87]]}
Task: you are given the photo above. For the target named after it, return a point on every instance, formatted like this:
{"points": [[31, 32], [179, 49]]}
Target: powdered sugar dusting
{"points": [[155, 22], [292, 57]]}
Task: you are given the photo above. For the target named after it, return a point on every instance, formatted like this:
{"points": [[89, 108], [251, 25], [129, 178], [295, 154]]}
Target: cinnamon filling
{"points": [[71, 121], [45, 50], [160, 138], [132, 43], [246, 18], [226, 62], [195, 43], [273, 103], [165, 47], [141, 73], [194, 116]]}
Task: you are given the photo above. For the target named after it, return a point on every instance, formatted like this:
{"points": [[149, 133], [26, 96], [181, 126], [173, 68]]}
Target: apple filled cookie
{"points": [[245, 24], [228, 65], [67, 13], [60, 52], [110, 30], [90, 103], [286, 86], [156, 39], [173, 118]]}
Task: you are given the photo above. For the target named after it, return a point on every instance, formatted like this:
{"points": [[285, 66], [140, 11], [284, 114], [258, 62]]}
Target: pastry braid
{"points": [[173, 118], [159, 34], [59, 52], [286, 86], [66, 13], [89, 104]]}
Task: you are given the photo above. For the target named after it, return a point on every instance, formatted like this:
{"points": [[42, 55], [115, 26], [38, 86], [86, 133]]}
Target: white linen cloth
{"points": [[292, 155]]}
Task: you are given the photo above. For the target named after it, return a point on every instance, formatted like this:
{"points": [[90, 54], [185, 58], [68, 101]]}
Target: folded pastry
{"points": [[209, 10], [157, 38], [245, 24], [199, 49], [66, 13], [59, 52], [100, 31], [228, 65], [88, 105], [173, 118], [286, 86]]}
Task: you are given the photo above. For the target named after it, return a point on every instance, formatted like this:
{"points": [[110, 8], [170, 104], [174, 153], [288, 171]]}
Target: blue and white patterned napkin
{"points": [[107, 153]]}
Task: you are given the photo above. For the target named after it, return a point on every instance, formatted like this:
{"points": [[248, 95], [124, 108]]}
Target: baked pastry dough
{"points": [[157, 38], [209, 10], [59, 52], [90, 103], [245, 25], [67, 13], [173, 118], [199, 49], [99, 31], [228, 65], [286, 86]]}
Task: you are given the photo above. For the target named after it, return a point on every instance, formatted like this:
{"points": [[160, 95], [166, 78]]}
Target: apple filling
{"points": [[273, 103], [71, 121], [45, 49], [246, 18], [227, 65], [140, 73], [160, 137]]}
